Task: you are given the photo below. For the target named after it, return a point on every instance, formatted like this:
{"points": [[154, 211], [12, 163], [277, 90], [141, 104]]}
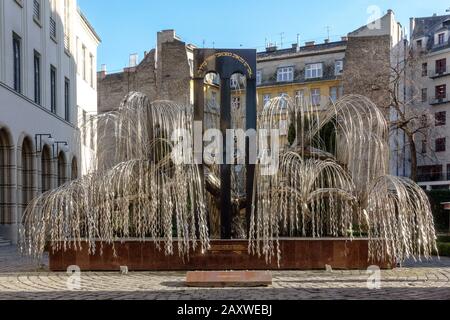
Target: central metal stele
{"points": [[225, 63]]}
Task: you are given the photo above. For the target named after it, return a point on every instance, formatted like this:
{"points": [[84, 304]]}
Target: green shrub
{"points": [[441, 216], [444, 249], [444, 239]]}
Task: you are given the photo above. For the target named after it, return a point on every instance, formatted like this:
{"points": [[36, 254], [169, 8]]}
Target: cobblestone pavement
{"points": [[20, 278]]}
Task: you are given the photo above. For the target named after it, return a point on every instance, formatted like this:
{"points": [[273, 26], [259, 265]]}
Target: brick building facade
{"points": [[163, 74]]}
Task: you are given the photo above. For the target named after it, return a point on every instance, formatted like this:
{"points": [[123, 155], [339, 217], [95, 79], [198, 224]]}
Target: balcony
{"points": [[433, 177], [439, 100], [442, 72]]}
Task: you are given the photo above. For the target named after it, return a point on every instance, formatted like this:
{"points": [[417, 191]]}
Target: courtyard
{"points": [[21, 278]]}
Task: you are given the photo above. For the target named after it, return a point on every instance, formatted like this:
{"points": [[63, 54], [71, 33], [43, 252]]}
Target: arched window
{"points": [[62, 164], [27, 172], [46, 169], [74, 172], [5, 177]]}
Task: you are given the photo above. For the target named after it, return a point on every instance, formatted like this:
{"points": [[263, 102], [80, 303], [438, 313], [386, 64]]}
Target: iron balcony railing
{"points": [[439, 72], [439, 99]]}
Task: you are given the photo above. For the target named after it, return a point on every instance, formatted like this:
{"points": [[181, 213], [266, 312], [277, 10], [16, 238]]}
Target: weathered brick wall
{"points": [[162, 75], [169, 81], [367, 68], [173, 73]]}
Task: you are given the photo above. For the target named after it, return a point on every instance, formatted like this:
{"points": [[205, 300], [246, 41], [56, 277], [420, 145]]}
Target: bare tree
{"points": [[408, 113]]}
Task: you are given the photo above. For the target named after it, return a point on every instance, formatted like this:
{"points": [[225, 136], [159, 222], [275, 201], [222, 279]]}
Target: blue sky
{"points": [[130, 26]]}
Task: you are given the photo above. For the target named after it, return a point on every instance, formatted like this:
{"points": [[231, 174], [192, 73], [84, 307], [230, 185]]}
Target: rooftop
{"points": [[274, 53], [424, 26]]}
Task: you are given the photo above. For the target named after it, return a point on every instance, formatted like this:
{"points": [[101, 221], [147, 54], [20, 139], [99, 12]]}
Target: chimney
{"points": [[295, 47], [310, 43], [344, 38], [166, 36], [102, 73], [327, 41], [412, 26], [133, 60]]}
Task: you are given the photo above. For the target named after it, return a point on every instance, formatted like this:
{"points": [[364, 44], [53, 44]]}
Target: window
{"points": [[214, 98], [441, 92], [285, 74], [300, 96], [37, 10], [77, 54], [430, 173], [37, 77], [283, 100], [315, 97], [67, 25], [17, 63], [424, 69], [266, 99], [424, 120], [236, 103], [91, 70], [441, 66], [258, 77], [83, 63], [441, 38], [191, 66], [314, 70], [53, 89], [440, 118], [419, 44], [234, 82], [52, 20], [334, 95], [84, 124], [424, 146], [340, 91], [424, 95], [67, 99], [441, 144], [338, 67]]}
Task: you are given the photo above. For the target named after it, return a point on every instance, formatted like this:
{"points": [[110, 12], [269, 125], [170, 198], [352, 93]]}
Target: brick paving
{"points": [[21, 278]]}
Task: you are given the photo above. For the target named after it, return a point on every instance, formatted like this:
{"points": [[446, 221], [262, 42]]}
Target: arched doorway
{"points": [[74, 169], [27, 158], [5, 178], [62, 164], [46, 169]]}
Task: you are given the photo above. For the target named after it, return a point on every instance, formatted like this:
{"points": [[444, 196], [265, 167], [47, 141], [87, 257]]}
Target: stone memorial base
{"points": [[224, 279], [297, 254]]}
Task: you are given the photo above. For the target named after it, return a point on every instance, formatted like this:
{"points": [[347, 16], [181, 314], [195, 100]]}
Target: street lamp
{"points": [[65, 147], [43, 138]]}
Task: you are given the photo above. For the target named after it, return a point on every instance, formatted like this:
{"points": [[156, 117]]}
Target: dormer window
{"points": [[285, 74], [441, 38]]}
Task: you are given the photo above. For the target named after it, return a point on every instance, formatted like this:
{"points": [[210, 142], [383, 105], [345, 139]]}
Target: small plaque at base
{"points": [[223, 279]]}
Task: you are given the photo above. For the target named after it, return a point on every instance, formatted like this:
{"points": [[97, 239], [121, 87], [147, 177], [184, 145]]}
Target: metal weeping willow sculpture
{"points": [[333, 182], [135, 191]]}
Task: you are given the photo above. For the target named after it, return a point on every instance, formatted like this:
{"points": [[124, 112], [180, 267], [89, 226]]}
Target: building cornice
{"points": [[6, 87], [88, 25]]}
